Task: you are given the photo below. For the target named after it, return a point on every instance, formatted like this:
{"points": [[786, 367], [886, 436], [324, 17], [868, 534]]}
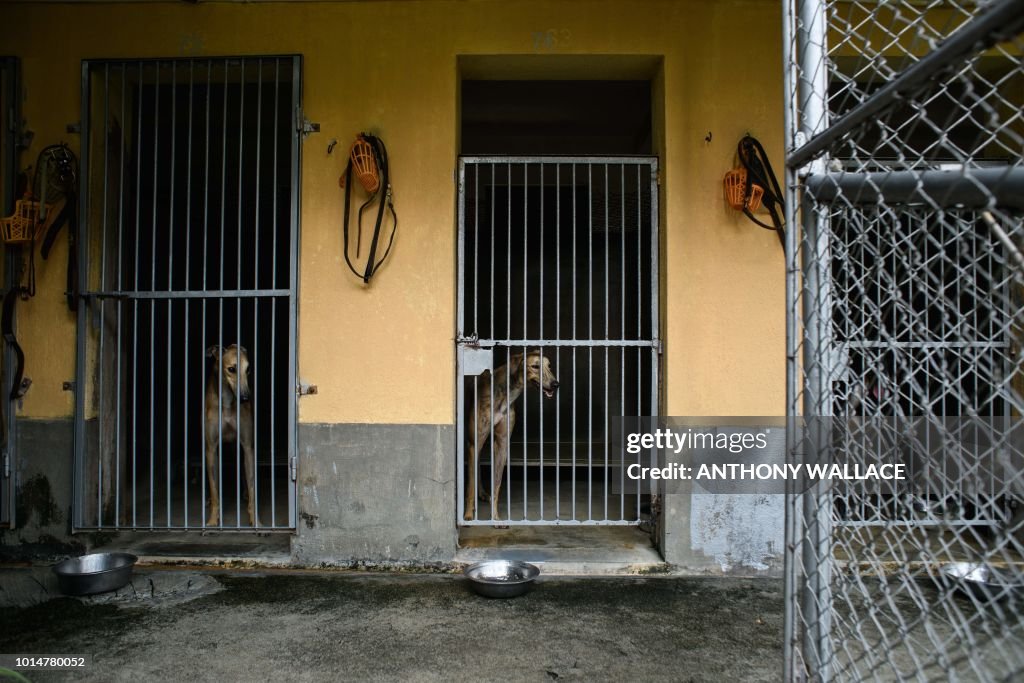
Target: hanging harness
{"points": [[381, 157], [66, 164], [759, 171]]}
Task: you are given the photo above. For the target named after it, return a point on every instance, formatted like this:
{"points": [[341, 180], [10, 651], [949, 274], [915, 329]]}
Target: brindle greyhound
{"points": [[494, 408], [229, 418]]}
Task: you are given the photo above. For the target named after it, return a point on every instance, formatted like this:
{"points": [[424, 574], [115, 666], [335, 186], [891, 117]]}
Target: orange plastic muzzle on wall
{"points": [[364, 164], [735, 186]]}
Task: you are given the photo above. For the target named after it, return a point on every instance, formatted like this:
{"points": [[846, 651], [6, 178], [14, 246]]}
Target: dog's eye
{"points": [[231, 369]]}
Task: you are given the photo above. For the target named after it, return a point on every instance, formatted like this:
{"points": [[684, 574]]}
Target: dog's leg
{"points": [[211, 478], [502, 429], [250, 472]]}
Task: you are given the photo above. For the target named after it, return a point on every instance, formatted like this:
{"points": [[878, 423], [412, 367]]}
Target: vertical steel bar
{"points": [[152, 304], [590, 337], [170, 272], [187, 286], [508, 332], [476, 244], [239, 469], [205, 270], [220, 300], [558, 335], [293, 284], [256, 359], [461, 430], [78, 483], [494, 184], [639, 314], [816, 601], [607, 316], [655, 284], [120, 287], [575, 305], [101, 414], [540, 335], [526, 327], [622, 326], [273, 306], [135, 302]]}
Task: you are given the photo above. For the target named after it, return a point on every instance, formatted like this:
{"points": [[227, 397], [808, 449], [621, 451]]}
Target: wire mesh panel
{"points": [[185, 414], [905, 295], [557, 333]]}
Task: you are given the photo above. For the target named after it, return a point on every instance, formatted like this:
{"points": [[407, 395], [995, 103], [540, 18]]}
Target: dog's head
{"points": [[538, 371], [233, 365]]}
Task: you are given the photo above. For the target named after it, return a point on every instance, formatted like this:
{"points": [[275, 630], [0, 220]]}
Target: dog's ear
{"points": [[213, 351], [241, 350], [515, 365]]}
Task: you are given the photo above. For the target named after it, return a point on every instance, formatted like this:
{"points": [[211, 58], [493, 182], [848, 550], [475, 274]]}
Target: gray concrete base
{"points": [[375, 493]]}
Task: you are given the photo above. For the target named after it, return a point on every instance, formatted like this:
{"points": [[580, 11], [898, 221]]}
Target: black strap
{"points": [[7, 326], [759, 170], [381, 155]]}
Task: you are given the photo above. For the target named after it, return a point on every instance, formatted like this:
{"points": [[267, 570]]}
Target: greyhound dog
{"points": [[229, 419], [494, 410]]}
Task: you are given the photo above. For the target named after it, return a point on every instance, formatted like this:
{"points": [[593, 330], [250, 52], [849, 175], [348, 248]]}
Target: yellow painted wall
{"points": [[385, 354]]}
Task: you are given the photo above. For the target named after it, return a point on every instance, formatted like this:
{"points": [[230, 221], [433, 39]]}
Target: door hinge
{"points": [[7, 465], [293, 467], [303, 389], [304, 125]]}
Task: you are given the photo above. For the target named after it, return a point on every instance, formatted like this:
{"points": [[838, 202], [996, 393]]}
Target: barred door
{"points": [[905, 298], [557, 281], [188, 264]]}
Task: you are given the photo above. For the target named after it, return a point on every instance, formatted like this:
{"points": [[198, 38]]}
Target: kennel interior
{"points": [[190, 176]]}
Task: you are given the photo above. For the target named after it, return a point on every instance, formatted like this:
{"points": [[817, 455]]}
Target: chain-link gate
{"points": [[905, 295]]}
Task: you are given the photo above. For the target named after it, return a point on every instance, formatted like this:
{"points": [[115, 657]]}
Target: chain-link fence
{"points": [[905, 175]]}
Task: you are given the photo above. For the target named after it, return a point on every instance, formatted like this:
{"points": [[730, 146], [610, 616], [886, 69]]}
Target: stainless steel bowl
{"points": [[979, 578], [501, 578], [94, 573]]}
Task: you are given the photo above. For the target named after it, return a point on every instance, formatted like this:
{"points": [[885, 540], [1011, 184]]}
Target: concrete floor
{"points": [[305, 626]]}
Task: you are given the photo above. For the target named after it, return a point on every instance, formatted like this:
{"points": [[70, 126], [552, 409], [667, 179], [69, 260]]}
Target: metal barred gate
{"points": [[188, 246], [905, 295], [558, 256]]}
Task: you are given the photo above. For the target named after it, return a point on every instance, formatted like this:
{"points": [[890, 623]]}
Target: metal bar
{"points": [[152, 308], [460, 401], [967, 188], [595, 343], [526, 333], [135, 313], [558, 335], [191, 294], [273, 308], [220, 302], [293, 283], [170, 271], [554, 522], [622, 324], [557, 159], [607, 315], [83, 214], [540, 333], [992, 24], [206, 241], [238, 301], [815, 600], [188, 285], [655, 333], [590, 335], [575, 303], [639, 316], [120, 263], [256, 414], [103, 273]]}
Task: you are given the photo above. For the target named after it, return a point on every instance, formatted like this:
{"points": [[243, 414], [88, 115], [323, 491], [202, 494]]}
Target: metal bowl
{"points": [[501, 578], [979, 578], [94, 573]]}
